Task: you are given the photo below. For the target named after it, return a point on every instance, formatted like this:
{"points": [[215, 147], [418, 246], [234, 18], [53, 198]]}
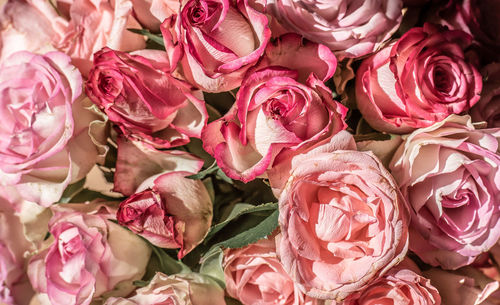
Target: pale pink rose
{"points": [[488, 107], [14, 286], [177, 289], [254, 275], [169, 210], [143, 99], [464, 287], [44, 138], [450, 174], [215, 41], [402, 285], [151, 13], [349, 28], [344, 222], [282, 104], [78, 28], [90, 256], [417, 81]]}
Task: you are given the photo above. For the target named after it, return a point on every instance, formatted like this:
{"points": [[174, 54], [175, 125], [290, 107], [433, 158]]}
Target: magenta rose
{"points": [[144, 100], [216, 41], [417, 81], [254, 275], [450, 174], [349, 28], [343, 221], [402, 285], [282, 104], [90, 256], [44, 138], [488, 107]]}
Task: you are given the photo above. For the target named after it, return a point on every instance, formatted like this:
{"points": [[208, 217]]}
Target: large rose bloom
{"points": [[43, 146], [282, 104], [343, 222], [417, 81], [90, 256], [216, 41], [350, 28], [450, 174], [488, 107]]}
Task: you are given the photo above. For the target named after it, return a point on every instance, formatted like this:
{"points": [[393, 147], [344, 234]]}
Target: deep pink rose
{"points": [[151, 13], [169, 210], [349, 28], [343, 221], [402, 285], [282, 104], [216, 41], [417, 81], [44, 135], [450, 174], [90, 256], [488, 107], [176, 289], [254, 275], [143, 99], [78, 28]]}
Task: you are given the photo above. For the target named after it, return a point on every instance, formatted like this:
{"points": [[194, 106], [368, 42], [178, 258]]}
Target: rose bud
{"points": [[169, 210], [91, 256], [349, 28], [488, 107], [46, 139], [343, 222], [450, 175], [215, 41], [177, 289], [281, 105], [417, 81], [144, 100]]}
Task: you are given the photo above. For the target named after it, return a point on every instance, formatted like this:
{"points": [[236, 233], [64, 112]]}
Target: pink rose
{"points": [[402, 285], [282, 104], [417, 81], [450, 174], [488, 107], [78, 28], [144, 100], [151, 13], [216, 41], [177, 289], [44, 138], [254, 275], [343, 220], [91, 256], [349, 28]]}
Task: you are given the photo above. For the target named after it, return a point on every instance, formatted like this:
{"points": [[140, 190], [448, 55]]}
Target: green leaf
{"points": [[140, 283], [253, 234], [169, 265], [154, 37], [210, 188], [239, 210], [221, 175], [209, 170], [211, 265], [89, 195], [71, 190]]}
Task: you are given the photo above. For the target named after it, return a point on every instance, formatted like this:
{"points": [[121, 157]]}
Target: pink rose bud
{"points": [[177, 289], [450, 174], [417, 81], [215, 41], [147, 103], [90, 256], [344, 222]]}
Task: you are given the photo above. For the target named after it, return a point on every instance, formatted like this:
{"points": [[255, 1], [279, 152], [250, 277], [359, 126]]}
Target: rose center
{"points": [[198, 13], [442, 80]]}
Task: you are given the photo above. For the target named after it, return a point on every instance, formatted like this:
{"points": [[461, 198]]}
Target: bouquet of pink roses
{"points": [[255, 152]]}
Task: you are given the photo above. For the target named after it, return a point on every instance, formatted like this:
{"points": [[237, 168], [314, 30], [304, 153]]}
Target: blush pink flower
{"points": [[44, 139], [90, 256], [450, 174], [144, 100], [151, 13], [349, 28], [216, 41], [282, 104], [343, 221], [488, 107], [417, 81]]}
